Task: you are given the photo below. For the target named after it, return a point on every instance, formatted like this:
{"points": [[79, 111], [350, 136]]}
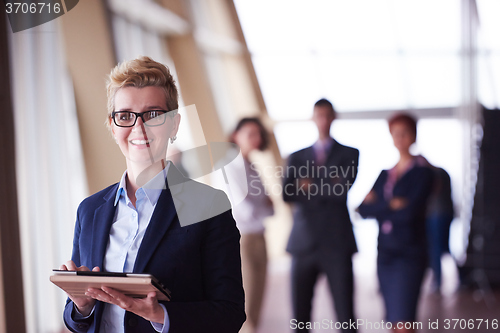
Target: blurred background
{"points": [[437, 59]]}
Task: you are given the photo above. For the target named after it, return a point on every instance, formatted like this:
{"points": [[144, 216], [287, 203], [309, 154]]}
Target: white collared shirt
{"points": [[250, 213], [125, 238], [322, 148]]}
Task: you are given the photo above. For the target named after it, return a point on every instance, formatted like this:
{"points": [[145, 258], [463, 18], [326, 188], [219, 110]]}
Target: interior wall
{"points": [[252, 76], [90, 57], [192, 75]]}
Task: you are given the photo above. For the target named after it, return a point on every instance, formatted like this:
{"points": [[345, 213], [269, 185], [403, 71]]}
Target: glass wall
{"points": [[371, 58]]}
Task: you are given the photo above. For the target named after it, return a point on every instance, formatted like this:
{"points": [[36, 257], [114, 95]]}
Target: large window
{"points": [[489, 53], [363, 55], [370, 58], [51, 179]]}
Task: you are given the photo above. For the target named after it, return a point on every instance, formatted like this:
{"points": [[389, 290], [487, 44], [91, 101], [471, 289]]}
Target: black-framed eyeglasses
{"points": [[149, 118]]}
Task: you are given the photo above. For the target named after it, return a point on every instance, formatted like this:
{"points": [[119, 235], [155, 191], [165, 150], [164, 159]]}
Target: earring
{"points": [[172, 139]]}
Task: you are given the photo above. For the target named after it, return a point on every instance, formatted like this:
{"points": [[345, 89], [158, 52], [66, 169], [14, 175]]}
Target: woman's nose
{"points": [[139, 124]]}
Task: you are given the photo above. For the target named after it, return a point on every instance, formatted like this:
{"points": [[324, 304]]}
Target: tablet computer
{"points": [[76, 283]]}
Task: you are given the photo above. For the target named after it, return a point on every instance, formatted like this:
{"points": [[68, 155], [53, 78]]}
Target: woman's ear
{"points": [[110, 124], [232, 137], [175, 128]]}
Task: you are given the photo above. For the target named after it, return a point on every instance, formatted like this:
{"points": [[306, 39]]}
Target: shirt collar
{"points": [[152, 189], [324, 144]]}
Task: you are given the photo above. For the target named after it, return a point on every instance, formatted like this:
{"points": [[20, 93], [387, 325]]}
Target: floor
{"points": [[451, 304], [436, 311]]}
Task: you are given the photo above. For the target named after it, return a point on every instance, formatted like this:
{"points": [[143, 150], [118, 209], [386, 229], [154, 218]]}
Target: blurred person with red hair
{"points": [[398, 202]]}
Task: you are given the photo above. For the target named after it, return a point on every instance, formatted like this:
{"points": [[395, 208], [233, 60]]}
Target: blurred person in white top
{"points": [[250, 135]]}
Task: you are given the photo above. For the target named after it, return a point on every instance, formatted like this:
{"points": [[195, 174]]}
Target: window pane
{"points": [[434, 80], [361, 54], [273, 25], [489, 59], [289, 85], [355, 83], [317, 24], [363, 25], [292, 136], [489, 22], [427, 24], [489, 81]]}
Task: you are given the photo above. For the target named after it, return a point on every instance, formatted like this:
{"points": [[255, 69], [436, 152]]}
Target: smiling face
{"points": [[143, 145]]}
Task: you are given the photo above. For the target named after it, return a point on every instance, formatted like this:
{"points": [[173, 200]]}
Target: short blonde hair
{"points": [[139, 73]]}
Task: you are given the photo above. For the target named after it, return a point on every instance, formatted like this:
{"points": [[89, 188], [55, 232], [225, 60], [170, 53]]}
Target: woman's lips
{"points": [[141, 142]]}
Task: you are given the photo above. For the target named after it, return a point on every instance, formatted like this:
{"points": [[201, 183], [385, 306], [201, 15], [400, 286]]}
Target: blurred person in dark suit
{"points": [[398, 202], [317, 180], [440, 214]]}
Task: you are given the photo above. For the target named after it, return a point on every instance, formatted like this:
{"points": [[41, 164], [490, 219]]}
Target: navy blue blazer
{"points": [[407, 235], [199, 263], [321, 221]]}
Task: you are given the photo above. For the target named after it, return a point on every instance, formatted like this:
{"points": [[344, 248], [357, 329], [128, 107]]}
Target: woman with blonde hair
{"points": [[155, 221]]}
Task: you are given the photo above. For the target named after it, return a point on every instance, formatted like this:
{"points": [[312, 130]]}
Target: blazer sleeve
{"points": [[347, 173], [83, 325], [379, 206], [222, 309], [338, 185], [421, 187], [291, 191]]}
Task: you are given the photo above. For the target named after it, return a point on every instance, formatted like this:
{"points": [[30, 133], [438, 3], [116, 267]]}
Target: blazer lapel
{"points": [[163, 216], [310, 155], [103, 219], [334, 154]]}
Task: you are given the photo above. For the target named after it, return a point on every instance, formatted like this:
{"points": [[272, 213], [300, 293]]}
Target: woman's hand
{"points": [[268, 202], [398, 203], [83, 304], [305, 182], [370, 198], [147, 308]]}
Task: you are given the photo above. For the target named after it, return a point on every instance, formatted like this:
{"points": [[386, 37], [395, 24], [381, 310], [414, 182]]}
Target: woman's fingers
{"points": [[152, 296], [112, 296], [120, 299], [83, 269], [84, 304], [148, 307], [70, 265]]}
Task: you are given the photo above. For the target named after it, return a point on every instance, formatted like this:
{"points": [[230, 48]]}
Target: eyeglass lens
{"points": [[150, 118]]}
